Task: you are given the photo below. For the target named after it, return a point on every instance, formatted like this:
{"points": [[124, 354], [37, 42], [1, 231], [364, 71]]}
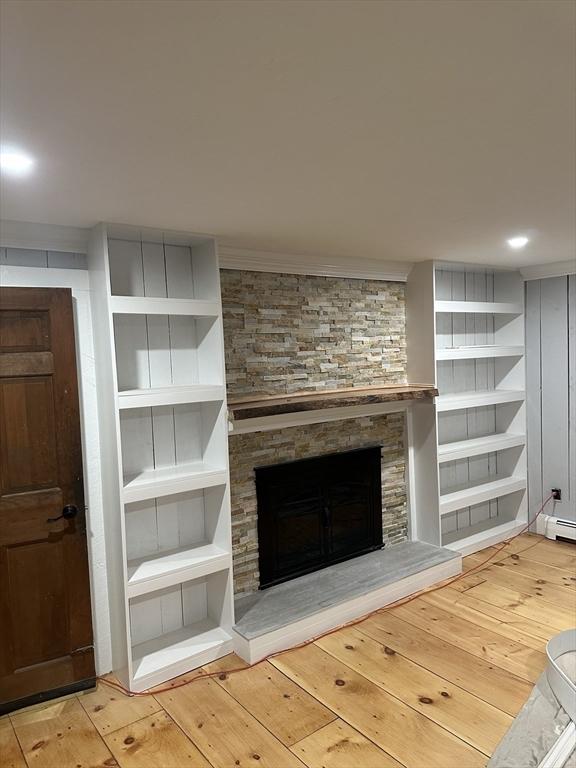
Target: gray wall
{"points": [[551, 392], [26, 257]]}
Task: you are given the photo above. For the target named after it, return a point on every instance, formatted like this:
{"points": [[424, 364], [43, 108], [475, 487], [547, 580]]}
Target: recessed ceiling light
{"points": [[518, 242], [14, 162]]}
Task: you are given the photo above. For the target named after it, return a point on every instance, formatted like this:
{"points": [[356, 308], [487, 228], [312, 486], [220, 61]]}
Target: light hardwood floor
{"points": [[434, 683]]}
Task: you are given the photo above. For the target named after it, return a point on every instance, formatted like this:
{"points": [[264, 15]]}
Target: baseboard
{"points": [[255, 649]]}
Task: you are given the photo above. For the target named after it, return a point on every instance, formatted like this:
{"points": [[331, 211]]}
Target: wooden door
{"points": [[45, 614]]}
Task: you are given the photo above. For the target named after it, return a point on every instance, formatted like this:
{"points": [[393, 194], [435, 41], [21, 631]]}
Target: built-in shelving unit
{"points": [[163, 427], [465, 330]]}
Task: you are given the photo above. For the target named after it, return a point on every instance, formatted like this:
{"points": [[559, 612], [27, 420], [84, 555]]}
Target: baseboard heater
{"points": [[559, 528]]}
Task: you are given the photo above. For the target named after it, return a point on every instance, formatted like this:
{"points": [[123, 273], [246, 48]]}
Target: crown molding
{"points": [[554, 269], [232, 257]]}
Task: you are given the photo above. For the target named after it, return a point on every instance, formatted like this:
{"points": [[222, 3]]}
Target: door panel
{"points": [[37, 573], [45, 614], [24, 331], [27, 417]]}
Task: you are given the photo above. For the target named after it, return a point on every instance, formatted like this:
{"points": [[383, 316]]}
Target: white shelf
{"points": [[164, 569], [145, 305], [467, 545], [169, 480], [487, 350], [483, 307], [177, 652], [194, 393], [478, 399], [477, 494], [477, 446]]}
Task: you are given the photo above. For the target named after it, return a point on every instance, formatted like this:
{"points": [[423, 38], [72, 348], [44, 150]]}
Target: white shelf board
{"points": [[477, 494], [486, 350], [476, 446], [177, 652], [149, 305], [165, 569], [476, 541], [483, 307], [169, 480], [193, 393], [454, 402]]}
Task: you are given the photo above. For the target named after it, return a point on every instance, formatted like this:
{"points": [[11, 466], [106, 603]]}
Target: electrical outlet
{"points": [[557, 494]]}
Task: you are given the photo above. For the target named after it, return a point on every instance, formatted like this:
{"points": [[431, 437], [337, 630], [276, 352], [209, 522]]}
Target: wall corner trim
{"points": [[553, 269]]}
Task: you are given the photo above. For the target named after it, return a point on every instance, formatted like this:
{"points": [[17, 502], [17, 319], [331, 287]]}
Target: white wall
{"points": [[551, 393], [44, 271]]}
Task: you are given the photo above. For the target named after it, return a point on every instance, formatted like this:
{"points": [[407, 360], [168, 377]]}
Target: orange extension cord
{"points": [[203, 675]]}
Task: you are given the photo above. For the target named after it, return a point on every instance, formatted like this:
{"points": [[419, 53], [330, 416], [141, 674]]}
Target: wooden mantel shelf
{"points": [[273, 405]]}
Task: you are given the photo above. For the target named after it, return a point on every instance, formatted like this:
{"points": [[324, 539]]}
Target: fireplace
{"points": [[316, 512]]}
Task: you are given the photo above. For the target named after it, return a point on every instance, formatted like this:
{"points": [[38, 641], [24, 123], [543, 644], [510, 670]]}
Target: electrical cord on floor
{"points": [[224, 674]]}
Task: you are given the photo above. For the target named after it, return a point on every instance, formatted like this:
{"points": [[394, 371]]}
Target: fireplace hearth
{"points": [[316, 512]]}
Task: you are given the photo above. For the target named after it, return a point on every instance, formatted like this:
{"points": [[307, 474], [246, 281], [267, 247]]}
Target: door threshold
{"points": [[44, 697]]}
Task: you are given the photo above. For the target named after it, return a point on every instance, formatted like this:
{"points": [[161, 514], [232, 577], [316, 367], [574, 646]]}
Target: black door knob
{"points": [[68, 512]]}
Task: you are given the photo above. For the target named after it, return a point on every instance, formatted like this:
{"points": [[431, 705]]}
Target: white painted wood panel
{"points": [[554, 365], [551, 397], [126, 268], [572, 389], [533, 395]]}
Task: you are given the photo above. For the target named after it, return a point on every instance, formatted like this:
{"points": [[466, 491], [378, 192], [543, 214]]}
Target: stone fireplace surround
{"points": [[291, 334], [286, 333]]}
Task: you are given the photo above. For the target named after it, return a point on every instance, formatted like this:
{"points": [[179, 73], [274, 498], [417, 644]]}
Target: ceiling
{"points": [[393, 130]]}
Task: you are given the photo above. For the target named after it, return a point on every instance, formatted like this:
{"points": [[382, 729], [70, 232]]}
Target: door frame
{"points": [[78, 281]]}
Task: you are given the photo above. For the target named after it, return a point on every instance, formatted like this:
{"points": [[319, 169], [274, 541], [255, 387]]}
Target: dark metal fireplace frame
{"points": [[330, 504]]}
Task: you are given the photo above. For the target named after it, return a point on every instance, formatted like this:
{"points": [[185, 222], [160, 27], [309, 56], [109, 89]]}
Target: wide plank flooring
{"points": [[435, 682]]}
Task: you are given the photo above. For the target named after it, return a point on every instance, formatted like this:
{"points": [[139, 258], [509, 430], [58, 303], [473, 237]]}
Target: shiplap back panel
{"points": [[171, 609], [164, 436], [167, 610], [551, 392], [160, 351], [170, 522]]}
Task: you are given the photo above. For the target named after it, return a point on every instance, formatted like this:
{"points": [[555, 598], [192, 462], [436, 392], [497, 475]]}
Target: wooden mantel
{"points": [[258, 406]]}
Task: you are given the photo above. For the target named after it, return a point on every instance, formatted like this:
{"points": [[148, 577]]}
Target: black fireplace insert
{"points": [[316, 512]]}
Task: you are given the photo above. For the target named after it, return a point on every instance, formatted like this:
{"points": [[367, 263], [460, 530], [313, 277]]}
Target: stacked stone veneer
{"points": [[285, 333], [256, 449]]}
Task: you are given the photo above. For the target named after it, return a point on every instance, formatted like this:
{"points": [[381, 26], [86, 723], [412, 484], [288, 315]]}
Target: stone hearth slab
{"points": [[291, 603]]}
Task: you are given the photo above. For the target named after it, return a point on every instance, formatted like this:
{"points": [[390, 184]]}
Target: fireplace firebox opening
{"points": [[316, 512]]}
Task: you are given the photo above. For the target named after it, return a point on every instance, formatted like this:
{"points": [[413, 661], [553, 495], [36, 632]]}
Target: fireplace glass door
{"points": [[315, 512]]}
